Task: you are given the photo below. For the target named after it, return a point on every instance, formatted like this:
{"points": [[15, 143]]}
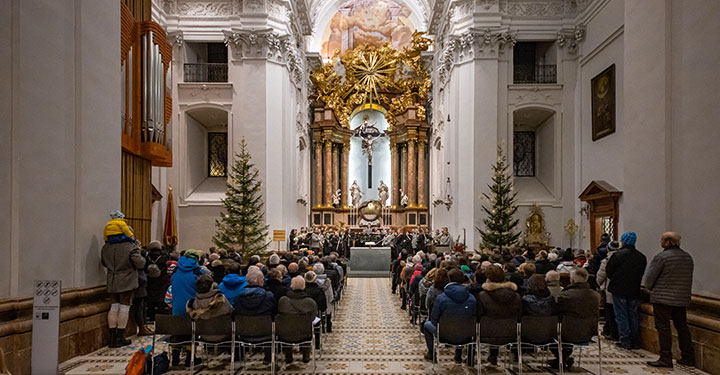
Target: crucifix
{"points": [[368, 134]]}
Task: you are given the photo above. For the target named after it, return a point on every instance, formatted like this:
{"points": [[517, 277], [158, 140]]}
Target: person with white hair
{"points": [[552, 279], [116, 230], [298, 302], [326, 286], [255, 300]]}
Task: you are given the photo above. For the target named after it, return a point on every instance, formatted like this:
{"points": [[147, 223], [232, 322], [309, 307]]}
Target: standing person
{"points": [[600, 254], [122, 260], [158, 278], [625, 271], [669, 280], [610, 328], [404, 242]]}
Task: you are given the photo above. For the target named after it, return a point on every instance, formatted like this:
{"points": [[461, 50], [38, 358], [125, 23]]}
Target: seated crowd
{"points": [[514, 283], [301, 283]]}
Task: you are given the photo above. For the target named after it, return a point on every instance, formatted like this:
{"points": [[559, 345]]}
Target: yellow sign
{"points": [[279, 235]]}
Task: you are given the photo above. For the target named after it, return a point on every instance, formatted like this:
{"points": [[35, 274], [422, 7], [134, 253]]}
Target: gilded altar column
{"points": [[403, 169], [344, 174], [318, 174], [335, 173], [328, 173], [394, 183], [421, 173], [412, 177]]}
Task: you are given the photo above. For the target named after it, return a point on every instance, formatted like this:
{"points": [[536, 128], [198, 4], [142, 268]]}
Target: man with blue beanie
{"points": [[625, 270]]}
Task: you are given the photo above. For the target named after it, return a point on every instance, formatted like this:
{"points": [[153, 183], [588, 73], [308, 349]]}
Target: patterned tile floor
{"points": [[372, 335]]}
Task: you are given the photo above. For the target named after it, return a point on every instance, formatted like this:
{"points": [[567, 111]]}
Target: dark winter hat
{"points": [[613, 246], [605, 238], [629, 238]]}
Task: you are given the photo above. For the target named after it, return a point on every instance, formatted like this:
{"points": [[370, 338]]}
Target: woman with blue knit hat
{"points": [[625, 271]]}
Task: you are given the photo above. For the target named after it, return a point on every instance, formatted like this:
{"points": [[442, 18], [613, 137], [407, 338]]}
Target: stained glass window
{"points": [[217, 154], [524, 153]]}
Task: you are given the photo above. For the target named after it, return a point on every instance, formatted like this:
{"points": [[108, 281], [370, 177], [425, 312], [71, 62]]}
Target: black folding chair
{"points": [[456, 332], [255, 331], [219, 326], [578, 332], [497, 333], [295, 330], [178, 326], [538, 333]]}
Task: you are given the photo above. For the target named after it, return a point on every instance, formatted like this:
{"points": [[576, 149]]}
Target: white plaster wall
{"points": [[197, 227], [196, 139], [695, 161], [62, 105], [546, 149]]}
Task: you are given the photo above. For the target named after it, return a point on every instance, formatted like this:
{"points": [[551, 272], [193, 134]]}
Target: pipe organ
{"points": [[146, 104]]}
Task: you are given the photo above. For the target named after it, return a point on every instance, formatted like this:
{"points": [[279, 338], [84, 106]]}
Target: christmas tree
{"points": [[241, 226], [499, 223]]}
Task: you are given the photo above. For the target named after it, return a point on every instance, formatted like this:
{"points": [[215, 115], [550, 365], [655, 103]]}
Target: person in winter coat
{"points": [[255, 301], [513, 276], [578, 301], [405, 276], [117, 230], [610, 330], [140, 303], [122, 260], [298, 302], [537, 301], [625, 271], [455, 302], [325, 285], [542, 264], [439, 282], [600, 254], [158, 280], [426, 283], [314, 291], [499, 299], [275, 285], [183, 281], [217, 268], [568, 262], [208, 303], [233, 283], [669, 280]]}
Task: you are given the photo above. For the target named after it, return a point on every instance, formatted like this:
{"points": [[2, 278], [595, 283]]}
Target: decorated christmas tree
{"points": [[241, 226], [500, 222]]}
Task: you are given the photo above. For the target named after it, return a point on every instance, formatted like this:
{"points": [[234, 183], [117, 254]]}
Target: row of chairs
{"points": [[531, 332], [243, 331]]}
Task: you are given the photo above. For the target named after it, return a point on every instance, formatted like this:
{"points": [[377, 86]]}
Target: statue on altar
{"points": [[535, 234], [355, 193], [383, 193], [403, 198], [336, 198]]}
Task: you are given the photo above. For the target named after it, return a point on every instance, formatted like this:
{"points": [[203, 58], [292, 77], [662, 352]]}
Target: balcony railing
{"points": [[535, 74], [206, 72]]}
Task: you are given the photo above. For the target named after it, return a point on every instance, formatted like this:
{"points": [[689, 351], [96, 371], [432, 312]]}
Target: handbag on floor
{"points": [[162, 364]]}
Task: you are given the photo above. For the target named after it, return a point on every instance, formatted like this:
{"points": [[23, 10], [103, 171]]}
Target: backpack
{"points": [[153, 271], [136, 365], [162, 364]]}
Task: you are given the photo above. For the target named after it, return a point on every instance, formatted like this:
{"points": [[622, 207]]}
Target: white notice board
{"points": [[46, 326]]}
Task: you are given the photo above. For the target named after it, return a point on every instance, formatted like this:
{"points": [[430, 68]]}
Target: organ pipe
{"points": [[129, 114]]}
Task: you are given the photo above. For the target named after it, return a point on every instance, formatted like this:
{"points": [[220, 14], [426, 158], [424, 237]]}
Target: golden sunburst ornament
{"points": [[373, 71]]}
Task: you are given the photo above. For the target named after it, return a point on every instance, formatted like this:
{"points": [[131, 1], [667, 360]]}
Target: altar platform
{"points": [[369, 262]]}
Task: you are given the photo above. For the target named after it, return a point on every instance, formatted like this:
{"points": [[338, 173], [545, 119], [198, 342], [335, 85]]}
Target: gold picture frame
{"points": [[602, 88]]}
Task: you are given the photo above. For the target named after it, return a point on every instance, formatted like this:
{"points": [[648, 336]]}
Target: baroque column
{"points": [[328, 173], [318, 173], [411, 173], [344, 173], [421, 173], [403, 169], [394, 181], [335, 174]]}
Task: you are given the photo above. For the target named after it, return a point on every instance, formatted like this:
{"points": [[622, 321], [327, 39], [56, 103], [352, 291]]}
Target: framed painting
{"points": [[602, 88]]}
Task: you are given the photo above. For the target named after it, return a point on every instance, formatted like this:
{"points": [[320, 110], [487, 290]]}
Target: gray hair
{"points": [[552, 276], [253, 275], [318, 268], [297, 283], [579, 275]]}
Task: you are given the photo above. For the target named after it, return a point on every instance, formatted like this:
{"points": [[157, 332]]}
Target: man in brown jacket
{"points": [[579, 301], [122, 261]]}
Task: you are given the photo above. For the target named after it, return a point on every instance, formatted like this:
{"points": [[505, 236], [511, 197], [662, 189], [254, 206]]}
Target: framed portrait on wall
{"points": [[602, 87]]}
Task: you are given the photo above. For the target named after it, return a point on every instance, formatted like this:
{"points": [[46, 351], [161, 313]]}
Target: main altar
{"points": [[370, 131]]}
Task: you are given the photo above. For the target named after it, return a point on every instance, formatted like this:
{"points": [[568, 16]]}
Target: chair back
{"points": [[218, 326], [294, 328], [578, 330], [457, 331], [539, 330], [173, 325], [498, 331], [253, 326]]}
